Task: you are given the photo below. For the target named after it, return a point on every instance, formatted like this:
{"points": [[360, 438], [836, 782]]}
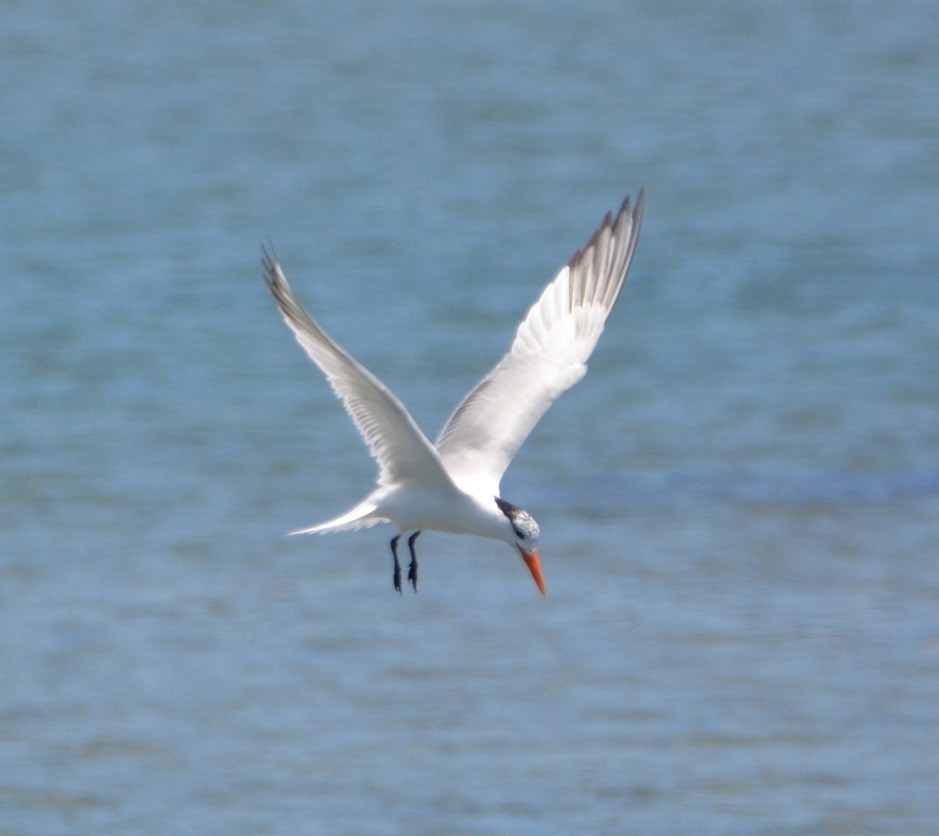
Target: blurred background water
{"points": [[739, 505]]}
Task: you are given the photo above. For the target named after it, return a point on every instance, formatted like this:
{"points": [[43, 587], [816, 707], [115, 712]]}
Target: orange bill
{"points": [[531, 561]]}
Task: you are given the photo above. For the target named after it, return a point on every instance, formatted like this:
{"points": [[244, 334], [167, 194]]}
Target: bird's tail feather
{"points": [[361, 516]]}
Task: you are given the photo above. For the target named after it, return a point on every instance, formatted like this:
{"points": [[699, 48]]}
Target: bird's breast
{"points": [[451, 511]]}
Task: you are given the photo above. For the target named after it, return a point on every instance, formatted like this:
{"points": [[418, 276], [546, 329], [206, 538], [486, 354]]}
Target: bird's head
{"points": [[522, 532]]}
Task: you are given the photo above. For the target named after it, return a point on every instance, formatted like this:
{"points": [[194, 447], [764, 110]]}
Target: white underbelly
{"points": [[452, 511]]}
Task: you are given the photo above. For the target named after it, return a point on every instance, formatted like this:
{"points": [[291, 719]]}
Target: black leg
{"points": [[397, 572], [412, 569]]}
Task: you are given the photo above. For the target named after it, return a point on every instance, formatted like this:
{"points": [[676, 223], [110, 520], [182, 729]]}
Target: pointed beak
{"points": [[531, 561]]}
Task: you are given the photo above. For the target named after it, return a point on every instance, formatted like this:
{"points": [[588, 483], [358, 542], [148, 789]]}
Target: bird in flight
{"points": [[453, 484]]}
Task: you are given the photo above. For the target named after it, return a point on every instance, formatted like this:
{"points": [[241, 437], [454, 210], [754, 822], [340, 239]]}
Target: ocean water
{"points": [[739, 504]]}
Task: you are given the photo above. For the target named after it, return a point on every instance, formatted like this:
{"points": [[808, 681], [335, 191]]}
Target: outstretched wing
{"points": [[548, 356], [403, 452]]}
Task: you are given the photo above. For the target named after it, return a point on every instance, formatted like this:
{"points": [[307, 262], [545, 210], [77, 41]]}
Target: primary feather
{"points": [[402, 451], [548, 356]]}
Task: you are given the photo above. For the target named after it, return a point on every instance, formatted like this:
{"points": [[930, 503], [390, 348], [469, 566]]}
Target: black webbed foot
{"points": [[412, 567], [396, 576]]}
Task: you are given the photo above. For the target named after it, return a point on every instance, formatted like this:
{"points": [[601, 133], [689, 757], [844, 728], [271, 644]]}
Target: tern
{"points": [[452, 485]]}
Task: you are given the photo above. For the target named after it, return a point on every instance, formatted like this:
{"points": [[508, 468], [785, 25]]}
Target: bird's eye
{"points": [[518, 533]]}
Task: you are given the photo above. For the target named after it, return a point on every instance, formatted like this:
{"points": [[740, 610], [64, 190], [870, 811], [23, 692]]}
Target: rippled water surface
{"points": [[739, 505]]}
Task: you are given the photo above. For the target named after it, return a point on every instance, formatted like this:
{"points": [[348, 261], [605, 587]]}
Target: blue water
{"points": [[739, 505]]}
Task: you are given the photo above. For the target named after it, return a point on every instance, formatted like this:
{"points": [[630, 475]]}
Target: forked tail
{"points": [[361, 516]]}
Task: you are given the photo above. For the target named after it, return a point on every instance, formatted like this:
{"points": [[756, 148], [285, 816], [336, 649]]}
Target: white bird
{"points": [[453, 484]]}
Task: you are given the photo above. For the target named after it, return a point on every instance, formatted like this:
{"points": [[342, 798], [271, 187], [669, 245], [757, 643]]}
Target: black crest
{"points": [[523, 524]]}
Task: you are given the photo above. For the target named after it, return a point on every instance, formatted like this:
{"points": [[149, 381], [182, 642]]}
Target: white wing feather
{"points": [[548, 356], [403, 452]]}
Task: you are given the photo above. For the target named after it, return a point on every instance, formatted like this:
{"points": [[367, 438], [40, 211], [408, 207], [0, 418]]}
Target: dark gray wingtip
{"points": [[626, 209], [269, 264]]}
